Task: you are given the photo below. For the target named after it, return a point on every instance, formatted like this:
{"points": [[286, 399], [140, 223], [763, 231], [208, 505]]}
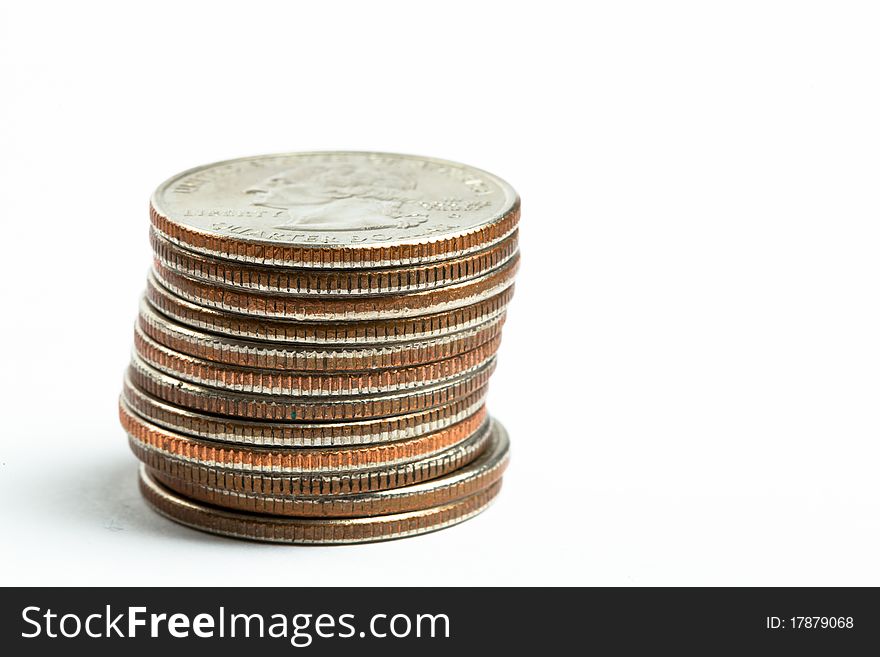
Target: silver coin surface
{"points": [[334, 199]]}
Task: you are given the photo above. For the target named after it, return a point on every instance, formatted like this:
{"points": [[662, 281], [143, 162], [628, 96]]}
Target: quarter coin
{"points": [[302, 409], [300, 434], [310, 357], [470, 479], [375, 334], [315, 531], [338, 309], [308, 384], [335, 209], [331, 282], [343, 458], [285, 483]]}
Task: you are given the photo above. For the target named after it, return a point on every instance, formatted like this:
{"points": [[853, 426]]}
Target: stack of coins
{"points": [[314, 345]]}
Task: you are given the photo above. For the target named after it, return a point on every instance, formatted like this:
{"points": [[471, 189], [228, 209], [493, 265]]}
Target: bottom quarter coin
{"points": [[310, 531], [468, 480]]}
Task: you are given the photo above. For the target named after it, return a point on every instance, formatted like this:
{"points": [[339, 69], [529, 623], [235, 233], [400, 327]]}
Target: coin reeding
{"points": [[323, 282], [298, 459], [278, 434], [305, 384], [479, 238], [319, 333], [335, 309], [479, 474], [314, 507], [218, 402], [320, 531], [349, 482], [261, 355]]}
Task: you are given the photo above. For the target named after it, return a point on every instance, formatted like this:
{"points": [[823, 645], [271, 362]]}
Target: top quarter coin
{"points": [[335, 210]]}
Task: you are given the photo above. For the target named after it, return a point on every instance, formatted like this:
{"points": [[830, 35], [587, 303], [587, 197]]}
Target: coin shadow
{"points": [[107, 497], [113, 502]]}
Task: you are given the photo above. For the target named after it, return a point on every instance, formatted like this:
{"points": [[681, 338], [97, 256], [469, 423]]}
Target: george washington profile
{"points": [[339, 197]]}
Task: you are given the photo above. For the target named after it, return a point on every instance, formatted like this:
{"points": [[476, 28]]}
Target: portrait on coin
{"points": [[349, 197]]}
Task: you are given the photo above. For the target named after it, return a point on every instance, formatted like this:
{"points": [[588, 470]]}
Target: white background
{"points": [[691, 366]]}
